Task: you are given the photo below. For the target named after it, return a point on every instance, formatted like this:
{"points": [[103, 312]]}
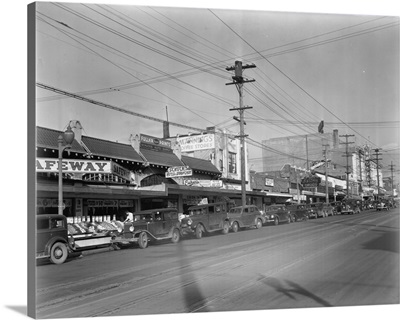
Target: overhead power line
{"points": [[109, 106]]}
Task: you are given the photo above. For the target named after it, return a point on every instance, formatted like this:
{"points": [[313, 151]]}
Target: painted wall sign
{"points": [[196, 142], [73, 166]]}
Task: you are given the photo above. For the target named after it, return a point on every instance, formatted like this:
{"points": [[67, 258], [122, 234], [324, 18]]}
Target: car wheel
{"points": [[58, 253], [258, 224], [199, 231], [225, 228], [235, 227], [143, 240], [276, 221], [175, 236]]}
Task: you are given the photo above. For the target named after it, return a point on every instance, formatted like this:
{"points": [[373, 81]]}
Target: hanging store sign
{"points": [[120, 171], [125, 203], [269, 182], [154, 142], [311, 182], [73, 166], [46, 202], [110, 203], [180, 171], [196, 142], [203, 183]]}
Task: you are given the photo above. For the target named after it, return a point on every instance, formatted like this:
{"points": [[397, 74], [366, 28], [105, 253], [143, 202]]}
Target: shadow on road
{"points": [[387, 240], [194, 299], [291, 289]]}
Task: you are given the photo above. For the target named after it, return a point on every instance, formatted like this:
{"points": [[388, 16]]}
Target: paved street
{"points": [[335, 261]]}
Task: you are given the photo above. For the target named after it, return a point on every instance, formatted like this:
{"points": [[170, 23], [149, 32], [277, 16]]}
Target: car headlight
{"points": [[272, 216], [189, 222], [119, 230], [131, 228]]}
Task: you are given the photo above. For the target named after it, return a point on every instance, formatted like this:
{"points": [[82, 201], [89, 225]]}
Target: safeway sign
{"points": [[73, 166]]}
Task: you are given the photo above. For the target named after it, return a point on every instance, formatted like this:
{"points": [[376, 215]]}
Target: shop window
{"points": [[232, 162]]}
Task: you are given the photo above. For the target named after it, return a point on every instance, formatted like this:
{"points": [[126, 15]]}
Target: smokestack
{"points": [[336, 139], [166, 129]]}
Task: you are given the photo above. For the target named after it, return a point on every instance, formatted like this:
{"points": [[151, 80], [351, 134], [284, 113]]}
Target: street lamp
{"points": [[68, 136]]}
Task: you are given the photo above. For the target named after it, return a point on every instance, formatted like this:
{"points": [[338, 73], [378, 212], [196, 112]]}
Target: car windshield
{"points": [[143, 217], [235, 210], [193, 212]]}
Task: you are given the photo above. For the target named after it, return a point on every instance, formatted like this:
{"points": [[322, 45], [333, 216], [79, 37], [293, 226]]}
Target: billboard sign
{"points": [[196, 142]]}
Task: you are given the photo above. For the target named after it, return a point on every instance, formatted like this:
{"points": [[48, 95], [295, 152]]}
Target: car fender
{"points": [[53, 240]]}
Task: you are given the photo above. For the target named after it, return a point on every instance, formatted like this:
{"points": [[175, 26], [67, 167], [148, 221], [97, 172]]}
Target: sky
{"points": [[170, 63]]}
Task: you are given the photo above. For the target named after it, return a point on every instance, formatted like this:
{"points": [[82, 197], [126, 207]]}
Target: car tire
{"points": [[225, 228], [143, 240], [258, 224], [58, 253], [294, 218], [199, 231], [175, 236], [235, 227]]}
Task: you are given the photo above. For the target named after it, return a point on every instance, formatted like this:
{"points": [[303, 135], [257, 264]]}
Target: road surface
{"points": [[344, 260]]}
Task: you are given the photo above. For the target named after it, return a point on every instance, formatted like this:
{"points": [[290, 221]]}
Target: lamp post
{"points": [[68, 136]]}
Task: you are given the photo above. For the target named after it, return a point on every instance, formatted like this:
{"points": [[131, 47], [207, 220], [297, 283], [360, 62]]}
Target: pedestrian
{"points": [[129, 216]]}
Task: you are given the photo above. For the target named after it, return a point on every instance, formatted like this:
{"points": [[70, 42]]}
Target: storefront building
{"points": [[102, 179]]}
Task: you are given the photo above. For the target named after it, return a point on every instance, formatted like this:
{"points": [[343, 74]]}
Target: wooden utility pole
{"points": [[377, 154], [391, 166], [347, 160], [238, 81], [326, 173]]}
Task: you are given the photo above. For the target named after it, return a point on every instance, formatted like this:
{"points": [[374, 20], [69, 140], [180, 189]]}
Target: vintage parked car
{"points": [[52, 239], [351, 207], [245, 216], [206, 218], [298, 212], [320, 210], [337, 207], [277, 213], [150, 225], [312, 211], [382, 206]]}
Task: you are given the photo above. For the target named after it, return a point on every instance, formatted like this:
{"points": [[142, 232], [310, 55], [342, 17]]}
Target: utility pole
{"points": [[326, 173], [377, 154], [391, 166], [347, 159], [238, 81]]}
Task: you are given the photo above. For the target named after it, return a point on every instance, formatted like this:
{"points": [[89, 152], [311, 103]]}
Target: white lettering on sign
{"points": [[120, 171], [197, 142], [73, 166], [155, 141], [182, 171]]}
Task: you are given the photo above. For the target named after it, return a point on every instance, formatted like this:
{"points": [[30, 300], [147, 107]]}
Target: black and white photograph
{"points": [[210, 161]]}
